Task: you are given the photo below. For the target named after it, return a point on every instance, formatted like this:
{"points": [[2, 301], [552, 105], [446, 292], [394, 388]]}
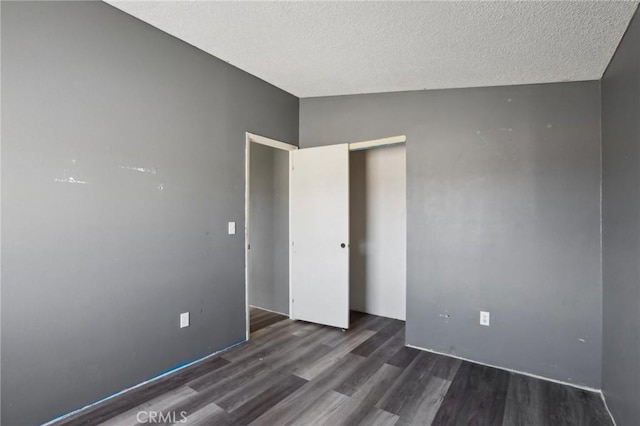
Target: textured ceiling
{"points": [[336, 48]]}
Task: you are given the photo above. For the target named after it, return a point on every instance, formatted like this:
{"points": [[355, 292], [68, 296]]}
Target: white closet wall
{"points": [[378, 231]]}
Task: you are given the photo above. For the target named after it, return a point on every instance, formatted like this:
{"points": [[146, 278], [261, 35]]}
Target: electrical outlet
{"points": [[184, 319], [232, 228], [485, 318]]}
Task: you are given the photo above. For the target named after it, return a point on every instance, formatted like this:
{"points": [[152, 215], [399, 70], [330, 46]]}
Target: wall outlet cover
{"points": [[184, 319], [232, 228], [485, 318]]}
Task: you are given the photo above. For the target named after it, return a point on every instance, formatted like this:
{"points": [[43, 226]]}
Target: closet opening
{"points": [[378, 231], [266, 231]]}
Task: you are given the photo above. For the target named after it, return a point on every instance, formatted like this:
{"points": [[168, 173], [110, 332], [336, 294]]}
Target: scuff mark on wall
{"points": [[445, 317], [152, 170], [71, 179], [482, 138]]}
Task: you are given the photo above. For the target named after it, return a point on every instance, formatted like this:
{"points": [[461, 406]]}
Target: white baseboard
{"points": [[535, 376], [86, 407], [269, 310], [604, 400], [524, 373]]}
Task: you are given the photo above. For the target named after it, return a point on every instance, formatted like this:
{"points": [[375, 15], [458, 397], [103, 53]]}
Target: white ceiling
{"points": [[337, 48]]}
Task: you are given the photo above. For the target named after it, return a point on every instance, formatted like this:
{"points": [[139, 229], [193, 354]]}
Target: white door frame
{"points": [[377, 143], [249, 138]]}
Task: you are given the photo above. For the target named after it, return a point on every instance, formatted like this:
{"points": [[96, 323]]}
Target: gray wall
{"points": [[95, 275], [621, 229], [269, 228], [503, 206]]}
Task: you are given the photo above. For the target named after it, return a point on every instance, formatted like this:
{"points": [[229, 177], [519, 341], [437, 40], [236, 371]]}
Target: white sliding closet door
{"points": [[319, 229]]}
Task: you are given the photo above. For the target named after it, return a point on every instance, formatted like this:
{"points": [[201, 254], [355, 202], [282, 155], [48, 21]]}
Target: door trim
{"points": [[249, 138], [376, 143]]}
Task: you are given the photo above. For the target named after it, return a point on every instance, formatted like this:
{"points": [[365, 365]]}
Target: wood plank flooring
{"points": [[297, 373], [259, 318]]}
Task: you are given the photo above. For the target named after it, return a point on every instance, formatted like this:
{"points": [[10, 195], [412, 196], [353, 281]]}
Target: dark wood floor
{"points": [[259, 318], [296, 373]]}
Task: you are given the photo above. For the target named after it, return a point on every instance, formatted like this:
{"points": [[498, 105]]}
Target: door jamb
{"points": [[377, 143]]}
